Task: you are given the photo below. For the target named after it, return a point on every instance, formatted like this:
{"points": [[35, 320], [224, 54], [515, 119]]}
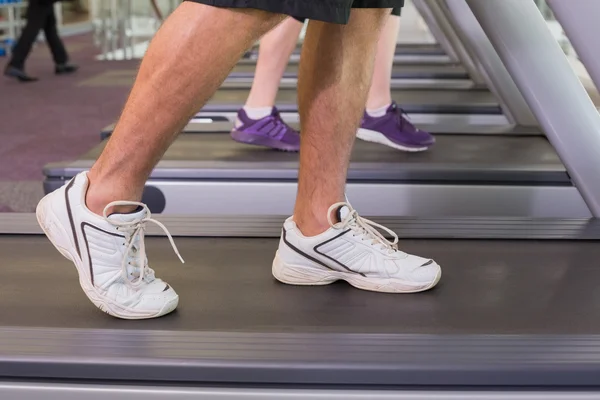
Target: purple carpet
{"points": [[57, 118]]}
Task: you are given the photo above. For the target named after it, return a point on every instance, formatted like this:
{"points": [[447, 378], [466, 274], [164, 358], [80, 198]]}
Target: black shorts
{"points": [[336, 11], [395, 11]]}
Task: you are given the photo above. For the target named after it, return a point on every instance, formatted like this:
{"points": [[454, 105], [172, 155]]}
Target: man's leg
{"points": [[96, 220], [259, 123], [56, 45], [384, 122], [326, 240], [335, 74], [36, 16], [180, 72]]}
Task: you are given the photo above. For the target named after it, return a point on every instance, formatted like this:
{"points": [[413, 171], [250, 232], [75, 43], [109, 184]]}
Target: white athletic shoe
{"points": [[108, 252], [354, 251]]}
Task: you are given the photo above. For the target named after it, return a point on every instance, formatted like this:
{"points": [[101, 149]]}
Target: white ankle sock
{"points": [[378, 112], [258, 112]]}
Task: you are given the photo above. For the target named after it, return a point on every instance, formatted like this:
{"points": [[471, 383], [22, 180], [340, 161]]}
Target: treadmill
{"points": [[401, 58], [501, 324], [430, 101], [436, 110], [462, 175], [512, 318], [399, 71], [403, 49]]}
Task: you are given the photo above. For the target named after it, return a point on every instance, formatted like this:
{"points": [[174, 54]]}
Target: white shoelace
{"points": [[364, 227], [135, 232]]}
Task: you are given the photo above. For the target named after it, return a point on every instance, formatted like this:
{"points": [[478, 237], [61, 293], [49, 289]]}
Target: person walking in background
{"points": [[40, 16]]}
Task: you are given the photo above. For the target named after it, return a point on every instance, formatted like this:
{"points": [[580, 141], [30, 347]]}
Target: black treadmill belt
{"points": [[399, 71], [497, 317], [453, 158], [412, 101], [493, 287]]}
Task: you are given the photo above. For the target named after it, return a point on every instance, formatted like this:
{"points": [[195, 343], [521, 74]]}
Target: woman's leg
{"points": [[258, 123], [379, 94], [274, 53], [384, 122]]}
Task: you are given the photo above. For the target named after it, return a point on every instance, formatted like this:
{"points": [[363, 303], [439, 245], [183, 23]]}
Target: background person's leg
{"points": [[384, 122], [56, 45], [36, 17], [334, 78], [259, 123], [179, 73], [273, 56], [379, 93]]}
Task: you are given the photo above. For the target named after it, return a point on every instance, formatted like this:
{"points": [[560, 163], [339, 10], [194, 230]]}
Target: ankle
{"points": [[100, 194], [312, 224], [378, 103], [310, 228], [257, 113]]}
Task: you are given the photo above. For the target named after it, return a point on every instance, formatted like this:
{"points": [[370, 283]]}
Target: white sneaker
{"points": [[354, 251], [108, 252]]}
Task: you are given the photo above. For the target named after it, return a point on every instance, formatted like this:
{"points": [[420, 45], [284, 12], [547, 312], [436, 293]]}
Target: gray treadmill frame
{"points": [[434, 16], [548, 91], [396, 83], [488, 62], [436, 30], [221, 198], [248, 226], [239, 358], [77, 391], [581, 26]]}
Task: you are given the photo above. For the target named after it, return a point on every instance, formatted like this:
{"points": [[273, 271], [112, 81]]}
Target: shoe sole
{"points": [[308, 276], [54, 230], [377, 137], [256, 140]]}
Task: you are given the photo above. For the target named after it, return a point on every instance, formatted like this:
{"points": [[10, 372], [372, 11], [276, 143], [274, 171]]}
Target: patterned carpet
{"points": [[55, 119]]}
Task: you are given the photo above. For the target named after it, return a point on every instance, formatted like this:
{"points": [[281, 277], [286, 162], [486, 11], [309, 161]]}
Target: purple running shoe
{"points": [[394, 130], [269, 131]]}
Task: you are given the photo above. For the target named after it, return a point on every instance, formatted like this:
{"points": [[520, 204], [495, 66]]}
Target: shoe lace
{"points": [[364, 227], [402, 119], [135, 254]]}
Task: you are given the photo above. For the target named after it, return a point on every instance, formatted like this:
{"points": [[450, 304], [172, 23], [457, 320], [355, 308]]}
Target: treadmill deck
{"points": [[505, 313], [413, 101], [453, 158]]}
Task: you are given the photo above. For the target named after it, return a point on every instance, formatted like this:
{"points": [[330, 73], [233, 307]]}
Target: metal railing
{"points": [[121, 25]]}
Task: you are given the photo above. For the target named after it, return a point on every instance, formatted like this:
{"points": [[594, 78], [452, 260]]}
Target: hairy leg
{"points": [[179, 73], [334, 79]]}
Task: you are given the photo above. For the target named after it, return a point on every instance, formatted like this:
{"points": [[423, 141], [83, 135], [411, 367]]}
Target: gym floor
{"points": [[55, 119]]}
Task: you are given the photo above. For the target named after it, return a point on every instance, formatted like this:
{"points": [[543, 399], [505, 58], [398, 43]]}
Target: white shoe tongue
{"points": [[342, 213], [130, 217]]}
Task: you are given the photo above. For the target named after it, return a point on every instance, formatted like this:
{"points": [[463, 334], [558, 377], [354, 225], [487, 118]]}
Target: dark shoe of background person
{"points": [[19, 74], [64, 69]]}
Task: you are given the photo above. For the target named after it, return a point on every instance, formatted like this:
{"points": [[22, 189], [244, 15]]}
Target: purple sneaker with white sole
{"points": [[394, 130], [269, 131]]}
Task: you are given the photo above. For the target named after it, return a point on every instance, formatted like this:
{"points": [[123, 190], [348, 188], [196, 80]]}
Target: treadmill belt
{"points": [[412, 101], [399, 71], [226, 285], [454, 158], [505, 313]]}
